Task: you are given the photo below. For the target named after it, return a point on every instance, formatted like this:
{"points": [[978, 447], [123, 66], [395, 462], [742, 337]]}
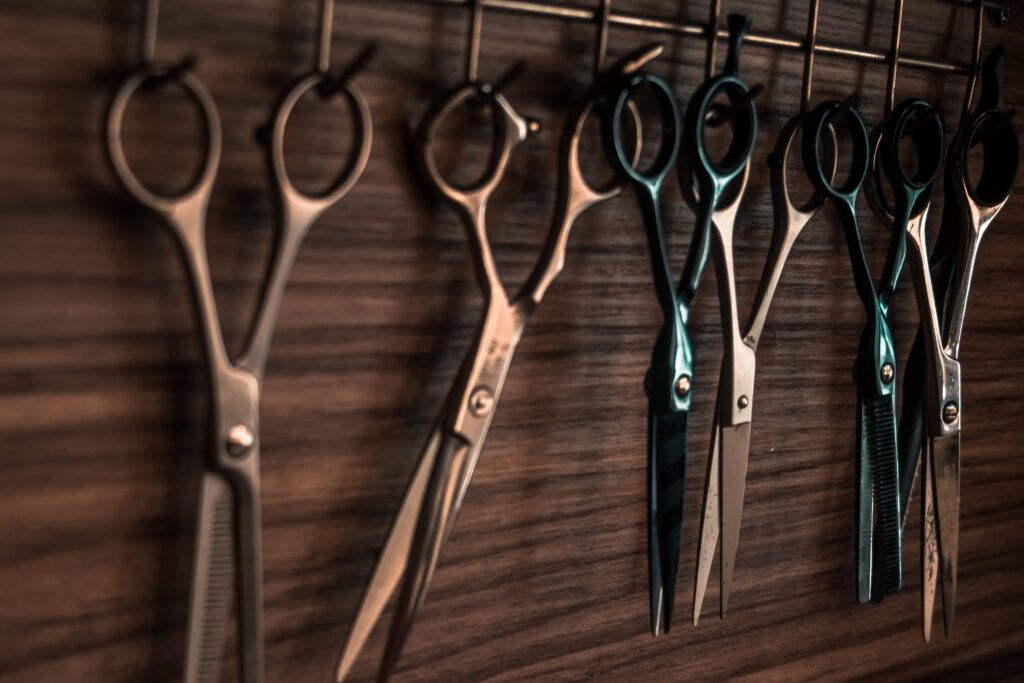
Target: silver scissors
{"points": [[972, 208], [434, 496], [228, 546], [790, 219]]}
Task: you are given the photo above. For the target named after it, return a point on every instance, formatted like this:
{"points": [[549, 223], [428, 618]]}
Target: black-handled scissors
{"points": [[434, 496], [715, 189], [875, 366], [972, 207], [228, 547], [668, 379]]}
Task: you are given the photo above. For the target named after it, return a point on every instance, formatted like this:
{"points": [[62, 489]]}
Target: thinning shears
{"points": [[228, 546], [971, 208], [434, 496], [875, 366], [736, 380], [668, 380]]}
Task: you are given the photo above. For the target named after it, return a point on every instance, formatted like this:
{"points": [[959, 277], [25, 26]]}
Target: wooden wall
{"points": [[103, 403]]}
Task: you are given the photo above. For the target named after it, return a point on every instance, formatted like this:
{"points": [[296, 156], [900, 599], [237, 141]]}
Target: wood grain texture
{"points": [[103, 405]]}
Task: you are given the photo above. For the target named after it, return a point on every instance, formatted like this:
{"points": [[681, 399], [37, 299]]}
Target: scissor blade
{"points": [[212, 573], [865, 510], [880, 428], [392, 562], [929, 542], [733, 477], [710, 523], [667, 466], [436, 519], [946, 465]]}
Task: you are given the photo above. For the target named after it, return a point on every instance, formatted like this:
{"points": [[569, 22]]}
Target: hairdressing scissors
{"points": [[879, 547], [228, 536], [736, 380], [668, 379], [973, 207], [875, 366], [434, 496]]}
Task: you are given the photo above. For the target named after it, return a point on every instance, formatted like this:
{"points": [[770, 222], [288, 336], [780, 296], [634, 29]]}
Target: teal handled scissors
{"points": [[736, 380], [715, 189], [668, 379], [875, 366], [974, 207], [228, 544], [432, 501]]}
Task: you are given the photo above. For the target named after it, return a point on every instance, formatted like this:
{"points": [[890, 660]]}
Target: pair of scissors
{"points": [[973, 208], [736, 380], [228, 545], [875, 366], [715, 189], [434, 496], [667, 383], [880, 510]]}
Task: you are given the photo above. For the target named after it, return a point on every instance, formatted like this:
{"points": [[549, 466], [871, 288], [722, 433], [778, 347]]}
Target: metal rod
{"points": [[601, 46], [810, 43], [147, 45], [712, 32], [639, 22], [476, 22], [323, 53], [894, 56], [972, 76]]}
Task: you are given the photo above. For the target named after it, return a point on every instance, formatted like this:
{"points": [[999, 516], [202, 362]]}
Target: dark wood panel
{"points": [[103, 407]]}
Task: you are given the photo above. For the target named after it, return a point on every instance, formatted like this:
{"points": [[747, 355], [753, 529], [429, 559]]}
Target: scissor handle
{"points": [[1000, 158], [511, 130], [192, 200], [653, 176], [313, 204], [912, 191], [817, 122]]}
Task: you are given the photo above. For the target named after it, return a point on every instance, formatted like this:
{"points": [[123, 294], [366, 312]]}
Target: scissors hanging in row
{"points": [[427, 514], [228, 546]]}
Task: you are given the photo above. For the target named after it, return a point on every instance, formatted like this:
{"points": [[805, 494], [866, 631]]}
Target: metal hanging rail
{"points": [[998, 12]]}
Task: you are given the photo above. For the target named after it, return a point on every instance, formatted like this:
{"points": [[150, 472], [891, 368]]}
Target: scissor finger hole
{"points": [[645, 108], [466, 142], [160, 125], [919, 147], [851, 145], [318, 132], [597, 172], [992, 158]]}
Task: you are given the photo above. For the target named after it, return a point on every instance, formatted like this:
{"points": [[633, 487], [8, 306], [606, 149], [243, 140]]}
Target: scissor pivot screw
{"points": [[481, 401], [950, 412], [743, 402], [683, 386], [888, 372], [240, 440]]}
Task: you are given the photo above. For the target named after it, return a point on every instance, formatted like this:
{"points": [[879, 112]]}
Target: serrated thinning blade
{"points": [[865, 509], [668, 483], [735, 450], [212, 581], [946, 468], [880, 428]]}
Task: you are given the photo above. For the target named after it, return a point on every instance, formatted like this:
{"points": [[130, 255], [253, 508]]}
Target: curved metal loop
{"points": [[778, 161], [1000, 159], [362, 139], [918, 120], [668, 149], [198, 192], [818, 120], [511, 130]]}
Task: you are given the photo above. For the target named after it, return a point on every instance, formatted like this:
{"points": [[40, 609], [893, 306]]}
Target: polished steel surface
{"points": [[228, 529]]}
